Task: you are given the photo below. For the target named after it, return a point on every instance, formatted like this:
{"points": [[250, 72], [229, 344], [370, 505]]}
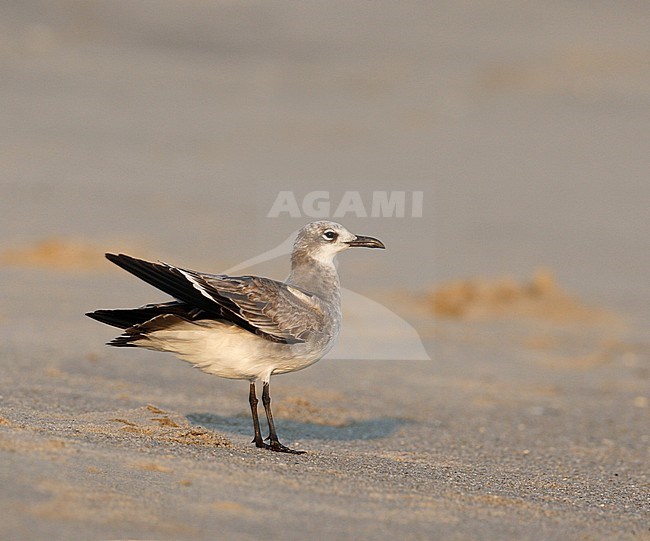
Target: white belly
{"points": [[231, 352]]}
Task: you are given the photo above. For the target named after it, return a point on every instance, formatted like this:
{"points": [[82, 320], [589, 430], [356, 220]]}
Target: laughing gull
{"points": [[244, 327]]}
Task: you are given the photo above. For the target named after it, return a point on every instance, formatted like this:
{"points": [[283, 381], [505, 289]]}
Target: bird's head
{"points": [[322, 240]]}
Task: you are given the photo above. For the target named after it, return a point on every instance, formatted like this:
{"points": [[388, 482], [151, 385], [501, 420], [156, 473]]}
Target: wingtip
{"points": [[121, 260], [95, 315], [124, 341]]}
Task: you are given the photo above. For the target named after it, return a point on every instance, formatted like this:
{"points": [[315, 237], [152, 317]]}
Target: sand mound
{"points": [[57, 253], [165, 427], [540, 298]]}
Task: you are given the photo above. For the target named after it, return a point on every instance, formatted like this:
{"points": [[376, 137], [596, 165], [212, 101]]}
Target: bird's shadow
{"points": [[369, 429]]}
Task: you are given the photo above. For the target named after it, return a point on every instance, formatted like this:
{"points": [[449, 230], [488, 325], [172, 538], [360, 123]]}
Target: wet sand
{"points": [[168, 133]]}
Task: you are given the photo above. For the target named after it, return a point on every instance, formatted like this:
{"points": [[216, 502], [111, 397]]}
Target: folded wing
{"points": [[265, 307]]}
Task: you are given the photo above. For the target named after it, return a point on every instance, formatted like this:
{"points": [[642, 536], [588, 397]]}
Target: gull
{"points": [[244, 327]]}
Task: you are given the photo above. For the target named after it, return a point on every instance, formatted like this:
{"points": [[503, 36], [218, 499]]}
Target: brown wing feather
{"points": [[259, 305], [268, 305]]}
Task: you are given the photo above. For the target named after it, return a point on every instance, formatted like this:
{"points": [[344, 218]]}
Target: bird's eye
{"points": [[329, 235]]}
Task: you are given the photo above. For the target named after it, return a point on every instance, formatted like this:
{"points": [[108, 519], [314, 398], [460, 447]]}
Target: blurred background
{"points": [[176, 124], [171, 127]]}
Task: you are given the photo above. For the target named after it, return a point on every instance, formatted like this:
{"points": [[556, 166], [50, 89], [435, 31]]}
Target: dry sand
{"points": [[167, 131]]}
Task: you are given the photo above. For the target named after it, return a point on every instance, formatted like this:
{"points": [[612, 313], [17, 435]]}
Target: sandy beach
{"points": [[493, 378]]}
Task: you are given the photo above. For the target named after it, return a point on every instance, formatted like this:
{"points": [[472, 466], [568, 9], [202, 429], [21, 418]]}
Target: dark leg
{"points": [[256, 421], [274, 444]]}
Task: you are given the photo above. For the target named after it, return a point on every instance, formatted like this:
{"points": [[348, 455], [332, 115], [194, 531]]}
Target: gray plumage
{"points": [[243, 327]]}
